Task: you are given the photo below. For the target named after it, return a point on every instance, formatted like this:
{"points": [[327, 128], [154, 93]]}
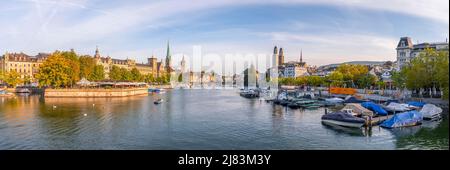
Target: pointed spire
{"points": [[97, 53], [301, 55]]}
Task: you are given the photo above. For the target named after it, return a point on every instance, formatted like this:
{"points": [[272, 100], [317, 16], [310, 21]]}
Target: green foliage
{"points": [[180, 78], [136, 75], [367, 80], [87, 65], [399, 78], [149, 78], [12, 78], [428, 70], [97, 74], [115, 73], [336, 78], [57, 70]]}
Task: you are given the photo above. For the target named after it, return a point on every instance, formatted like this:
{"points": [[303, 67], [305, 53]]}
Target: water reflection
{"points": [[190, 119]]}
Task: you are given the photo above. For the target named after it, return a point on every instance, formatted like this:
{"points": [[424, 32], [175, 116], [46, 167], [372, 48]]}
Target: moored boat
{"points": [[159, 101], [157, 90], [343, 119], [411, 118], [431, 112]]}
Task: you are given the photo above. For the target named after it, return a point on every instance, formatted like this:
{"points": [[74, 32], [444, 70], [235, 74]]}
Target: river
{"points": [[191, 119]]}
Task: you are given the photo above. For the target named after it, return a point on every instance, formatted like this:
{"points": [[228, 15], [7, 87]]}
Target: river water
{"points": [[191, 119]]}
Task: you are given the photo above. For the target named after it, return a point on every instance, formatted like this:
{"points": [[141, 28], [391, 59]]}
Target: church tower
{"points": [[275, 57], [97, 53], [168, 58], [281, 57], [183, 65]]}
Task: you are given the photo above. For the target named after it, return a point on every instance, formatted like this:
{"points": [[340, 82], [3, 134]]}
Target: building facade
{"points": [[27, 66], [406, 50]]}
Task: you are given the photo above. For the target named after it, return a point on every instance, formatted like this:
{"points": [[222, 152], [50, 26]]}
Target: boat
{"points": [[335, 100], [351, 99], [293, 105], [159, 101], [22, 90], [416, 104], [4, 93], [377, 109], [157, 90], [396, 107], [357, 109], [343, 119], [431, 112], [249, 93], [405, 119]]}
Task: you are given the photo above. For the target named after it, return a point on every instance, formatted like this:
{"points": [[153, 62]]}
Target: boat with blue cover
{"points": [[411, 118], [377, 109]]}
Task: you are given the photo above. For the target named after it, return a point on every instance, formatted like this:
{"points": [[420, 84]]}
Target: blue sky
{"points": [[327, 31]]}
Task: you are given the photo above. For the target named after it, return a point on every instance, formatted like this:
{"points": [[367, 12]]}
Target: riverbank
{"points": [[113, 92]]}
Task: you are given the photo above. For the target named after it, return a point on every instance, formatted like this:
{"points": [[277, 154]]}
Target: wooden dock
{"points": [[377, 120]]}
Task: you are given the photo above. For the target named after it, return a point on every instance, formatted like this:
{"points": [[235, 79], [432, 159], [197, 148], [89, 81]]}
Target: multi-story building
{"points": [[25, 65], [406, 50], [28, 66], [295, 69]]}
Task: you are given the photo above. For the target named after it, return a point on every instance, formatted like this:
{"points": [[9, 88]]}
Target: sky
{"points": [[326, 31]]}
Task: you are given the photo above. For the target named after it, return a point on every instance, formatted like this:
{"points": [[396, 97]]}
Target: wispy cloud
{"points": [[46, 25]]}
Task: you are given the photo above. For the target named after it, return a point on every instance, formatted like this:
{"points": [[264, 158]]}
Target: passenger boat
{"points": [[159, 101], [343, 119]]}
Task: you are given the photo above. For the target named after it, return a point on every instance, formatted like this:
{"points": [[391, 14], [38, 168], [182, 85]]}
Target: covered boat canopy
{"points": [[397, 107], [353, 100], [410, 118], [358, 109], [416, 104], [375, 108], [342, 116], [430, 111]]}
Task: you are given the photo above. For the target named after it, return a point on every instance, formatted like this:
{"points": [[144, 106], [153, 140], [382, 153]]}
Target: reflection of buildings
{"points": [[406, 50]]}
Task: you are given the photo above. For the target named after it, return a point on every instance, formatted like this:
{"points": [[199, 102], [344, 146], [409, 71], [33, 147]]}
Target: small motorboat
{"points": [[396, 107], [377, 109], [411, 118], [22, 90], [343, 119], [159, 101], [431, 112]]}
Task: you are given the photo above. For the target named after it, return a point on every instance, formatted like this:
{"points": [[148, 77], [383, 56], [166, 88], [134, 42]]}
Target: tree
{"points": [[314, 80], [367, 81], [27, 79], [56, 71], [97, 74], [336, 79], [73, 61], [180, 78], [2, 76], [87, 65], [13, 78], [399, 79], [115, 73], [136, 75], [126, 75], [149, 78]]}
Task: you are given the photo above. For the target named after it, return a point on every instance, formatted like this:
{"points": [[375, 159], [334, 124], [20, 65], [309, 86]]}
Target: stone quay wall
{"points": [[114, 92]]}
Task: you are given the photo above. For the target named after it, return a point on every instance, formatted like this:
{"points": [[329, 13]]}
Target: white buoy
{"points": [[93, 104], [85, 114], [54, 107]]}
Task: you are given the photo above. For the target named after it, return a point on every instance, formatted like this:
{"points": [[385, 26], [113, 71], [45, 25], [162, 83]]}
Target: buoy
{"points": [[85, 114], [54, 107], [93, 105]]}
